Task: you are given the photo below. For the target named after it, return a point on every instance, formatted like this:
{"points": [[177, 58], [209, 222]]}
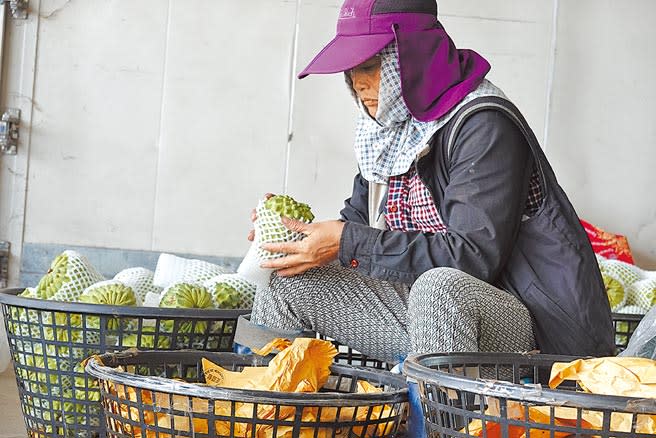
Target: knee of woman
{"points": [[438, 285], [284, 289]]}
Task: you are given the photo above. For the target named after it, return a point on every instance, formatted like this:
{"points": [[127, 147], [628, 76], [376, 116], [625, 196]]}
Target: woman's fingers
{"points": [[287, 263], [283, 247], [295, 225], [295, 270], [251, 235]]}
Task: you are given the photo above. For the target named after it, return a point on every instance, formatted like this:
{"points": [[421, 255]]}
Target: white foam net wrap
{"points": [[78, 274], [152, 299], [140, 280], [173, 269], [640, 285], [624, 272], [643, 293], [237, 282], [268, 229]]}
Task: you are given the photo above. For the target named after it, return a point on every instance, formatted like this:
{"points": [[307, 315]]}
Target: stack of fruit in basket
{"points": [[629, 288], [53, 343], [57, 341], [71, 278]]}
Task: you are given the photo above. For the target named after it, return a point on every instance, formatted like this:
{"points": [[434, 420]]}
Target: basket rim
{"points": [[629, 317], [415, 368], [9, 297], [163, 385]]}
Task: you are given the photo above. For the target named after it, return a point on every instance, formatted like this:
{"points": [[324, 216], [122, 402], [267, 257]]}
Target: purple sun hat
{"points": [[365, 27], [435, 76]]}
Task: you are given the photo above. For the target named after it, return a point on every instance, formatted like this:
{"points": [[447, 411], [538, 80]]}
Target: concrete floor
{"points": [[11, 418]]}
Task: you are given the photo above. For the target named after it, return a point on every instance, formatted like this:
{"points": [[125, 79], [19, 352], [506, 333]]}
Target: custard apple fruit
{"points": [[69, 274], [231, 291], [110, 293], [188, 296]]}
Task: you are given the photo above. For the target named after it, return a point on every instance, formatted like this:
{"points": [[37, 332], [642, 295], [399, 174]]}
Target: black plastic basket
{"points": [[348, 356], [459, 390], [157, 394], [625, 324], [48, 339]]}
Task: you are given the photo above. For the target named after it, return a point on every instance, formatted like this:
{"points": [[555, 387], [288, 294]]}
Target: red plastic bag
{"points": [[608, 245]]}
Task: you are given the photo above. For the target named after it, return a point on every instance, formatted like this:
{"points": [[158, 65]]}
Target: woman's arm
{"points": [[482, 208]]}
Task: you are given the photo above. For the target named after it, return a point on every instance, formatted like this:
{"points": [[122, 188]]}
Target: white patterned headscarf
{"points": [[388, 144]]}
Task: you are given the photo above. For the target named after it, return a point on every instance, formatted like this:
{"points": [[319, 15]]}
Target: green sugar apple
{"points": [[147, 340], [54, 278], [186, 296], [69, 275], [226, 296], [614, 291], [110, 293], [269, 227], [231, 291], [285, 205]]}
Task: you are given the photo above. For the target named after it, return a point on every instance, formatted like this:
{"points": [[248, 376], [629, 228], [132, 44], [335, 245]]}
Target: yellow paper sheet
{"points": [[624, 376], [621, 376]]}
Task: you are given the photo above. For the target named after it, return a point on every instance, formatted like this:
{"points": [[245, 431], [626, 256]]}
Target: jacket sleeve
{"points": [[356, 208], [482, 209]]}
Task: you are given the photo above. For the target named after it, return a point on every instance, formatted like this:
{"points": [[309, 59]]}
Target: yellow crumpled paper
{"points": [[624, 376], [300, 366], [621, 376]]}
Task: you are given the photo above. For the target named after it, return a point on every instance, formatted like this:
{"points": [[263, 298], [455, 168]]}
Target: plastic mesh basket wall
{"points": [[155, 394], [348, 356], [48, 339], [625, 325], [461, 393]]}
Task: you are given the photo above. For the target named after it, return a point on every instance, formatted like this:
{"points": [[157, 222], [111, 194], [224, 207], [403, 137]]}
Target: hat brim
{"points": [[345, 52]]}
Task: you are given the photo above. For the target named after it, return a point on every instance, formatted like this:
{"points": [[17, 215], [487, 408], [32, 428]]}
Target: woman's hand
{"points": [[251, 234], [318, 248]]}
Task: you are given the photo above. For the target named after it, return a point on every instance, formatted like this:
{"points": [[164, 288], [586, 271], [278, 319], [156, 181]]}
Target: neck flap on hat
{"points": [[388, 144], [435, 76]]}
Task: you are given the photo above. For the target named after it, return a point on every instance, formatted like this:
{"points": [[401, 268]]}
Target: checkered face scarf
{"points": [[388, 145]]}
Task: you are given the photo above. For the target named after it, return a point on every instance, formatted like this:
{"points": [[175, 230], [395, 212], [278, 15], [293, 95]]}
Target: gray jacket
{"points": [[477, 170]]}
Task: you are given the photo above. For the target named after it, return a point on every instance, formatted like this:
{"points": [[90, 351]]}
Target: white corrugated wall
{"points": [[157, 124]]}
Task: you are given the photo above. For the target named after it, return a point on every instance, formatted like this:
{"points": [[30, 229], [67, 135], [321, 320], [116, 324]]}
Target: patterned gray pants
{"points": [[445, 310]]}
